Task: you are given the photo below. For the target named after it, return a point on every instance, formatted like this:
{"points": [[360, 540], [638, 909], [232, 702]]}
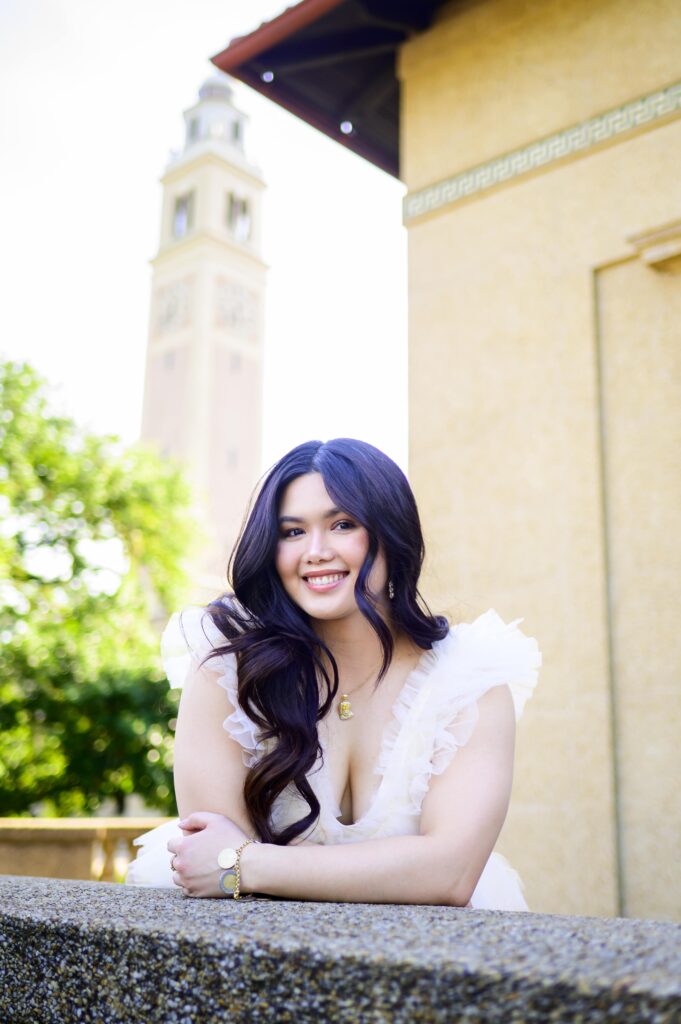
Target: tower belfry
{"points": [[203, 387]]}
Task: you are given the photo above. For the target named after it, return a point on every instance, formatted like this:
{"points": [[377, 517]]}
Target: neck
{"points": [[354, 645]]}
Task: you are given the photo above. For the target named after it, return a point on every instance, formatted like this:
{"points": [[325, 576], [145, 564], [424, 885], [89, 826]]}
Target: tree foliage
{"points": [[93, 538]]}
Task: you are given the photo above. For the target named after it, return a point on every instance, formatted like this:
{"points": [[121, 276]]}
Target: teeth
{"points": [[323, 581]]}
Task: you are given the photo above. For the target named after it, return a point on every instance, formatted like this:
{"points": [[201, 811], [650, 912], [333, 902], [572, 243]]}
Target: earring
{"points": [[391, 590]]}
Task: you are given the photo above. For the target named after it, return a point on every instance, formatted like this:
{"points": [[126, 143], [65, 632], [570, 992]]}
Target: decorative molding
{"points": [[659, 246], [577, 139], [200, 237]]}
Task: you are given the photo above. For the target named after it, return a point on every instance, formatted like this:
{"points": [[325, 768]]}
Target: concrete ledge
{"points": [[96, 952]]}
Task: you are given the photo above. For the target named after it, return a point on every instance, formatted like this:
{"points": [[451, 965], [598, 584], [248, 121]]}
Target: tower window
{"points": [[236, 131], [194, 129], [183, 215], [238, 217]]}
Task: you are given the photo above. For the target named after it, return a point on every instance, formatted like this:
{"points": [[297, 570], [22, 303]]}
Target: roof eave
{"points": [[293, 19], [317, 120], [236, 60]]}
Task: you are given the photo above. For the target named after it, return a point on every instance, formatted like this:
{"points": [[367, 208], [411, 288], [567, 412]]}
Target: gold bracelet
{"points": [[230, 879]]}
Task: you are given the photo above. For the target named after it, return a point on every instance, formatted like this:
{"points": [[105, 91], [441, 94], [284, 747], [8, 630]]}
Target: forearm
{"points": [[404, 869]]}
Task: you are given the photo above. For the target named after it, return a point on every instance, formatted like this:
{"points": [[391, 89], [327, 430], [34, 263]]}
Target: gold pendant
{"points": [[344, 709]]}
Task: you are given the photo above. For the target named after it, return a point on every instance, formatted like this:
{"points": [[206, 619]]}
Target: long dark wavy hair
{"points": [[279, 655]]}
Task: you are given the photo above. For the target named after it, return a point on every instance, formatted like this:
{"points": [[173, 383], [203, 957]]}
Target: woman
{"points": [[323, 705]]}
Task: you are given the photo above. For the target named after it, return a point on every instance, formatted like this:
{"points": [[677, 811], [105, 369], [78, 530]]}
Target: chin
{"points": [[318, 611], [327, 614]]}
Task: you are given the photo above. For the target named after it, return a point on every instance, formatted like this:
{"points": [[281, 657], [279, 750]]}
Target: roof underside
{"points": [[332, 62]]}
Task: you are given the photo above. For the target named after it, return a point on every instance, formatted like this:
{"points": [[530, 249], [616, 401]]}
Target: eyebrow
{"points": [[297, 519]]}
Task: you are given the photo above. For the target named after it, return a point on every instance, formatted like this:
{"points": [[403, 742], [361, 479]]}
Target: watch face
{"points": [[227, 882], [227, 857]]}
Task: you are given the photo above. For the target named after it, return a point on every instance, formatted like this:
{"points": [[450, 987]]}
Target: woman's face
{"points": [[321, 550]]}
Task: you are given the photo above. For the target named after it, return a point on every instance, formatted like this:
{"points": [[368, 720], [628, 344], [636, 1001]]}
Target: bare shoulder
{"points": [[498, 700], [496, 717]]}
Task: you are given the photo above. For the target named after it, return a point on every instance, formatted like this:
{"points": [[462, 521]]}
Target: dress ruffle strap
{"points": [[491, 652], [190, 636], [436, 711]]}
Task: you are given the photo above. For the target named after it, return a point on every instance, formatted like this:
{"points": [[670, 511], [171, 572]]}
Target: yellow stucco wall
{"points": [[545, 382]]}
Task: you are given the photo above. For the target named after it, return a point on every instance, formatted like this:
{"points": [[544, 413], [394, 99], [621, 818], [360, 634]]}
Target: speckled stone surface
{"points": [[85, 951]]}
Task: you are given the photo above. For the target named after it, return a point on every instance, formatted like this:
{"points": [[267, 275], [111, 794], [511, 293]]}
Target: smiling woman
{"points": [[337, 741]]}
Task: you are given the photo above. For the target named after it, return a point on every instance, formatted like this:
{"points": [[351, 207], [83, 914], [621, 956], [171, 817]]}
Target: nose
{"points": [[318, 549]]}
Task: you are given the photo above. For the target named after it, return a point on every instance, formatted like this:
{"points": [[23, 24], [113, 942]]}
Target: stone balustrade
{"points": [[84, 951], [78, 848]]}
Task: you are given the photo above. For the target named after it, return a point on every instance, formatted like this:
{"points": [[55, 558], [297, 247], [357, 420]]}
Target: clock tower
{"points": [[203, 386]]}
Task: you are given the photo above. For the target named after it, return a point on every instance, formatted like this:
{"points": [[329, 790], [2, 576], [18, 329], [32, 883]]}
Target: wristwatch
{"points": [[230, 878]]}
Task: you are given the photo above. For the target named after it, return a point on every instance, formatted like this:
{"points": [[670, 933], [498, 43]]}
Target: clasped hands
{"points": [[195, 855]]}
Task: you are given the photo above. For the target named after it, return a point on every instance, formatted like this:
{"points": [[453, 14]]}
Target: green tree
{"points": [[93, 538]]}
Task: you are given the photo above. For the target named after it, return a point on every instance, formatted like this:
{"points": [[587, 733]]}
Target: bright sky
{"points": [[91, 101]]}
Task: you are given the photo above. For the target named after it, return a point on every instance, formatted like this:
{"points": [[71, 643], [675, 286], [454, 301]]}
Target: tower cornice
{"points": [[209, 153], [206, 239]]}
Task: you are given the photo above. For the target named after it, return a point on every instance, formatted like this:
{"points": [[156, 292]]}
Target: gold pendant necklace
{"points": [[344, 709]]}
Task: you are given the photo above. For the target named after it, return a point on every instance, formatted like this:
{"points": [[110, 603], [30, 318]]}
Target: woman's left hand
{"points": [[195, 856]]}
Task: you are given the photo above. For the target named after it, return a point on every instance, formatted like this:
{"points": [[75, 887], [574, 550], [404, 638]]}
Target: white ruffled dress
{"points": [[434, 714]]}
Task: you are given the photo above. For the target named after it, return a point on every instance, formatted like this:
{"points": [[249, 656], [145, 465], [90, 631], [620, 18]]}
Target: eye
{"points": [[344, 524], [293, 531]]}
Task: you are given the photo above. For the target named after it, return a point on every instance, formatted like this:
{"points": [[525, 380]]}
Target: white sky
{"points": [[91, 101]]}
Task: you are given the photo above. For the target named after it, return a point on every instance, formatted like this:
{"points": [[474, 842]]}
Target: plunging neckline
{"points": [[391, 733]]}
